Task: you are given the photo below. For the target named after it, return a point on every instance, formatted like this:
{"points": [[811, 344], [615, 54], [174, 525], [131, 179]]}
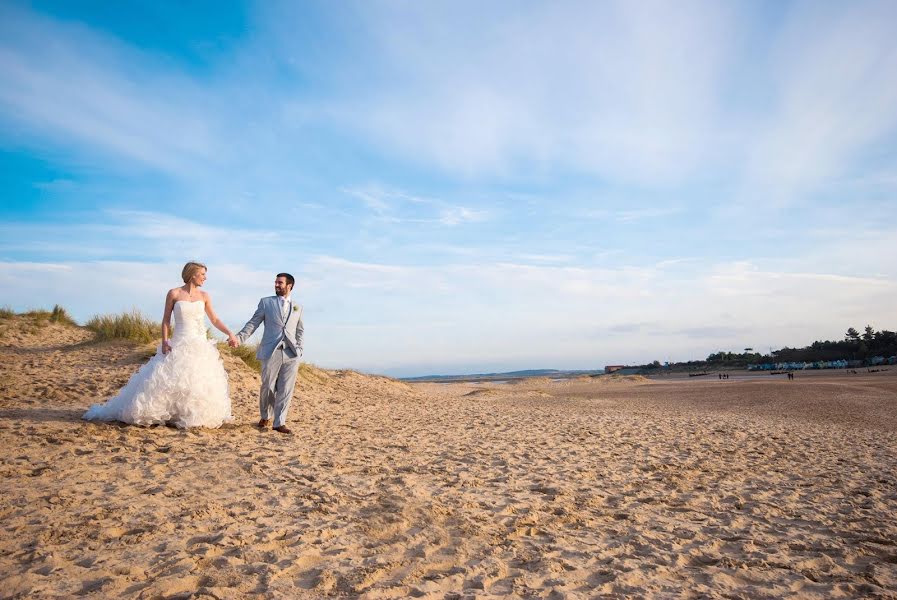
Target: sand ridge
{"points": [[582, 489]]}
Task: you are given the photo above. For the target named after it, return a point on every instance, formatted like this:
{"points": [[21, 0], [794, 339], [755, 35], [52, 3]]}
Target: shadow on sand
{"points": [[42, 415]]}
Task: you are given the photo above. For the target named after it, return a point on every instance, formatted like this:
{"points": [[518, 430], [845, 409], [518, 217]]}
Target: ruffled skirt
{"points": [[186, 387]]}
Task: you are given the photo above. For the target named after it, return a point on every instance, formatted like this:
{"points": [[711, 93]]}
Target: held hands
{"points": [[232, 341]]}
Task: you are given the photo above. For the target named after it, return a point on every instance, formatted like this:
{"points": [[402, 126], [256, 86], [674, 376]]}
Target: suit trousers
{"points": [[278, 380]]}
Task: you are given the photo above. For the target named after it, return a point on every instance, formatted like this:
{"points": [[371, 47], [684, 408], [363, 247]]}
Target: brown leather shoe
{"points": [[283, 429], [264, 423]]}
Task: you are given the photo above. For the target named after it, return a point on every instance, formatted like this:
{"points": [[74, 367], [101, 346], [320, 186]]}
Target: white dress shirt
{"points": [[284, 306]]}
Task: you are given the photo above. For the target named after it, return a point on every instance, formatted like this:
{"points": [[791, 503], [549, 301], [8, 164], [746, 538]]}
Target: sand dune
{"points": [[579, 489]]}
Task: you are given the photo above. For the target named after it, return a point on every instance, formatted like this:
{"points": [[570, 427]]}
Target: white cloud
{"points": [[527, 314], [457, 215], [373, 198], [646, 93], [142, 233], [75, 86], [382, 317], [608, 110], [545, 258], [628, 91], [833, 95], [653, 93], [398, 206], [630, 216]]}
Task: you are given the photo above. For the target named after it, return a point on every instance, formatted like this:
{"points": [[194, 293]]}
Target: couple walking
{"points": [[185, 383]]}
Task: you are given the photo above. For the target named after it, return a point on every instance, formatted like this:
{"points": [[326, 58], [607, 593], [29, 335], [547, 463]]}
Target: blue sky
{"points": [[460, 186]]}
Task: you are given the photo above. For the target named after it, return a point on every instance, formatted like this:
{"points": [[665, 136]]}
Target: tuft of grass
{"points": [[61, 316], [125, 326], [38, 314], [311, 373], [246, 353]]}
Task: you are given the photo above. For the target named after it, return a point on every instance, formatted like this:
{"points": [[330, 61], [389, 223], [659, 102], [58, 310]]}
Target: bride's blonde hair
{"points": [[190, 269]]}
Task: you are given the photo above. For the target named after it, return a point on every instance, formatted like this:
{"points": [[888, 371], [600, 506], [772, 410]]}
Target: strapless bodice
{"points": [[189, 319]]}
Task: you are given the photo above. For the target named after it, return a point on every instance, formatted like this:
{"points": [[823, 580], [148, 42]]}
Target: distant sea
{"points": [[503, 377]]}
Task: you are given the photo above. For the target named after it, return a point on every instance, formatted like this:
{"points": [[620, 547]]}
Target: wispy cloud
{"points": [[718, 333], [358, 312], [649, 93], [397, 206], [139, 234], [830, 97], [498, 188], [456, 215], [73, 85], [373, 198], [545, 258], [626, 91]]}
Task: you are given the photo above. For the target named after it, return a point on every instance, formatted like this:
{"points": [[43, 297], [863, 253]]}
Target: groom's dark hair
{"points": [[289, 278]]}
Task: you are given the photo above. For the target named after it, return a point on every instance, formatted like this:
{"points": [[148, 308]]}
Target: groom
{"points": [[279, 350]]}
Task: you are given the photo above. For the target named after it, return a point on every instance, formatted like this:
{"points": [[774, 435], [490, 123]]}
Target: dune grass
{"points": [[310, 372], [246, 353], [132, 326], [61, 316], [57, 315]]}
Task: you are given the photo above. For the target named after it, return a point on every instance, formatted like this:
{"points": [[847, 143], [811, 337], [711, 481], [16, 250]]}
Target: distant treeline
{"points": [[855, 346]]}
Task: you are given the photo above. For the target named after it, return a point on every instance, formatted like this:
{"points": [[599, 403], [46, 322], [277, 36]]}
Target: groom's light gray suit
{"points": [[279, 351]]}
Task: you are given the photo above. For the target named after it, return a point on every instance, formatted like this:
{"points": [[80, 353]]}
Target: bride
{"points": [[184, 384]]}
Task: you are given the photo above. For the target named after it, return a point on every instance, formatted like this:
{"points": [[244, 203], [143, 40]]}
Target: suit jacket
{"points": [[277, 329]]}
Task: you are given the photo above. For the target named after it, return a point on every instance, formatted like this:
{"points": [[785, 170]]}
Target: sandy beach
{"points": [[596, 487]]}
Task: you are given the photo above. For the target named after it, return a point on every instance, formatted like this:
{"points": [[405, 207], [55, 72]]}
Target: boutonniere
{"points": [[295, 308]]}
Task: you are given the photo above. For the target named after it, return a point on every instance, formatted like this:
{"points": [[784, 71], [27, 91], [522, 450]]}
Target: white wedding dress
{"points": [[186, 387]]}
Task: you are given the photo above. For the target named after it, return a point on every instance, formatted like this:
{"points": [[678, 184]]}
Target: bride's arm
{"points": [[166, 322], [217, 322]]}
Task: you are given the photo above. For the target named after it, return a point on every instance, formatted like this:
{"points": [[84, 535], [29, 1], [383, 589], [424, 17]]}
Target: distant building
{"points": [[612, 368]]}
